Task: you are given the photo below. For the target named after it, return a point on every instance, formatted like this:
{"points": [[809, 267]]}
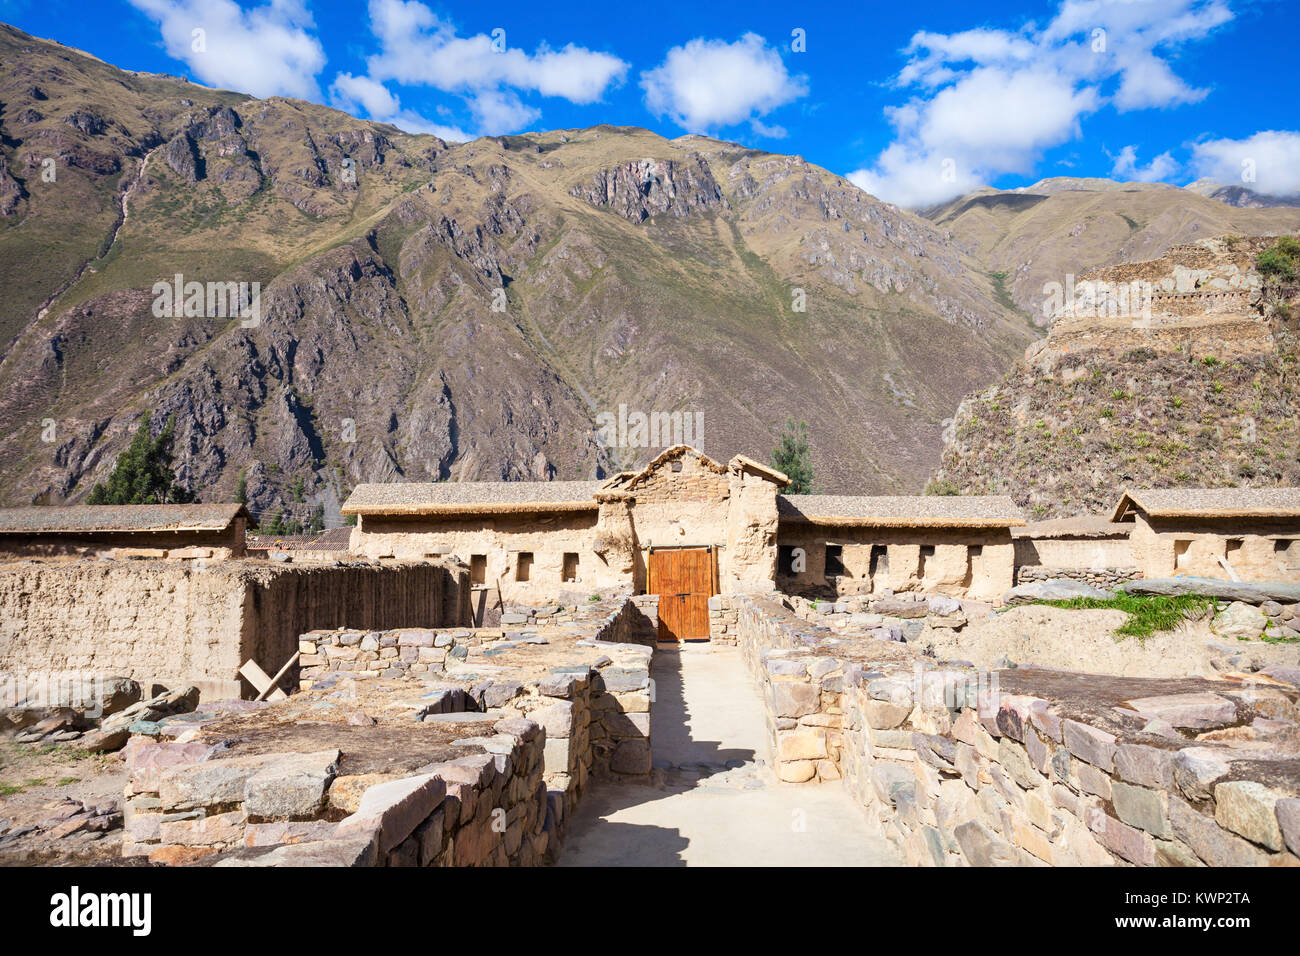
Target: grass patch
{"points": [[10, 789], [1147, 614]]}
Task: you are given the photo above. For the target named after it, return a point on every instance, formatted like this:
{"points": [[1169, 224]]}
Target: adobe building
{"points": [[687, 528], [214, 531], [1248, 533]]}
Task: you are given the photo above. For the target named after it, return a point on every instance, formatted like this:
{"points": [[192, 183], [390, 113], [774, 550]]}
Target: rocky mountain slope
{"points": [[1200, 389], [1026, 238], [435, 312]]}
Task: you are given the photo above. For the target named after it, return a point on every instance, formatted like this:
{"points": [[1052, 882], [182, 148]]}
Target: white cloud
{"points": [[1126, 167], [706, 85], [1267, 162], [992, 101], [267, 50], [419, 48], [351, 93]]}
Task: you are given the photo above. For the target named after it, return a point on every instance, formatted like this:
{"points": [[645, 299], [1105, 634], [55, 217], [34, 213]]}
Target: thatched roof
{"points": [[1209, 503], [1080, 526], [910, 511], [472, 497], [72, 519], [333, 539]]}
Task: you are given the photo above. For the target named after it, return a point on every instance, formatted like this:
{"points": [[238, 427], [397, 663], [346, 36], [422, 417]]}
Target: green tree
{"points": [[142, 475], [317, 523], [793, 457], [241, 488]]}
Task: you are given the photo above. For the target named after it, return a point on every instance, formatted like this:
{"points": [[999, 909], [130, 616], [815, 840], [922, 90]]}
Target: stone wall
{"points": [[1023, 767], [722, 619], [485, 809], [517, 755], [176, 623], [1106, 578]]}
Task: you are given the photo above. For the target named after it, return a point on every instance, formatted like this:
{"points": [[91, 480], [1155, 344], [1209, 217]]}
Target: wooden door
{"points": [[683, 579]]}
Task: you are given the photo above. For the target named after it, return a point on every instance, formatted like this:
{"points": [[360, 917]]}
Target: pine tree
{"points": [[793, 457], [142, 475]]}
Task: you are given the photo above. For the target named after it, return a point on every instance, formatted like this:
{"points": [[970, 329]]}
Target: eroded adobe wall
{"points": [[186, 622], [1258, 550], [958, 562], [501, 539], [212, 545], [679, 508]]}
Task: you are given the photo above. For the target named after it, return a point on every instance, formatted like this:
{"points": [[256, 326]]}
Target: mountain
{"points": [[625, 269], [1040, 234], [1239, 195], [1194, 386]]}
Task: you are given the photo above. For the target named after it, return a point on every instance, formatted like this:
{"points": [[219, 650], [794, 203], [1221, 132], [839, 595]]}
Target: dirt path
{"points": [[719, 804]]}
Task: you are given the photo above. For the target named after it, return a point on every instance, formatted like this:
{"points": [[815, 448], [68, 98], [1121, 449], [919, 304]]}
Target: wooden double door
{"points": [[684, 579]]}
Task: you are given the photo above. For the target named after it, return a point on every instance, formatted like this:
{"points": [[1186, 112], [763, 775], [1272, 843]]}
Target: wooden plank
{"points": [[275, 681], [260, 681]]}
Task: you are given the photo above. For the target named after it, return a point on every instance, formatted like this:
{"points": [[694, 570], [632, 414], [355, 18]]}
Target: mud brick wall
{"points": [[181, 622], [960, 767]]}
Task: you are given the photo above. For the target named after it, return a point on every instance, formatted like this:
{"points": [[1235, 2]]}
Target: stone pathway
{"points": [[713, 800]]}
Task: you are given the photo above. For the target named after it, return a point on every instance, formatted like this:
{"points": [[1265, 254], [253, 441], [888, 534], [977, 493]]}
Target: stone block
{"points": [[1121, 839], [1194, 711], [1208, 840], [631, 756], [1142, 808], [800, 745], [391, 811], [1249, 808], [291, 788], [1145, 766], [1288, 818], [1197, 768], [1089, 743], [795, 699]]}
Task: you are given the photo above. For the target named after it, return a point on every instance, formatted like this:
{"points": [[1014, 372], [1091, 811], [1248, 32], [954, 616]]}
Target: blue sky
{"points": [[914, 102]]}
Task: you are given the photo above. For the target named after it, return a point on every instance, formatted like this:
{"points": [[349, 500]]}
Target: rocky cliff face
{"points": [[1194, 385]]}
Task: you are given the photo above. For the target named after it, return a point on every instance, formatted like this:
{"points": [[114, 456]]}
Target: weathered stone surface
{"points": [[557, 719], [1247, 807], [1174, 853], [1196, 769], [1239, 621], [1288, 819], [631, 755], [214, 783], [1246, 592], [798, 745], [1209, 840], [391, 811], [1142, 808], [795, 699], [1091, 744], [796, 771], [981, 847], [1054, 589], [1120, 838], [1145, 766], [355, 851], [883, 715], [1194, 711], [291, 788]]}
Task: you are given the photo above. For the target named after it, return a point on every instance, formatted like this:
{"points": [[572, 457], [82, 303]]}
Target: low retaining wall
{"points": [[1030, 767], [517, 748], [1107, 578]]}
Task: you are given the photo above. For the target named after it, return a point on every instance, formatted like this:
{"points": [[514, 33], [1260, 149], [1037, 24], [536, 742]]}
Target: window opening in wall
{"points": [[569, 571], [785, 559], [879, 561], [677, 465], [524, 566], [478, 569], [1181, 547], [834, 560]]}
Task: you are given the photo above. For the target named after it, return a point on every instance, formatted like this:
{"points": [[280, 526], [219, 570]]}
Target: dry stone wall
{"points": [[962, 767]]}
